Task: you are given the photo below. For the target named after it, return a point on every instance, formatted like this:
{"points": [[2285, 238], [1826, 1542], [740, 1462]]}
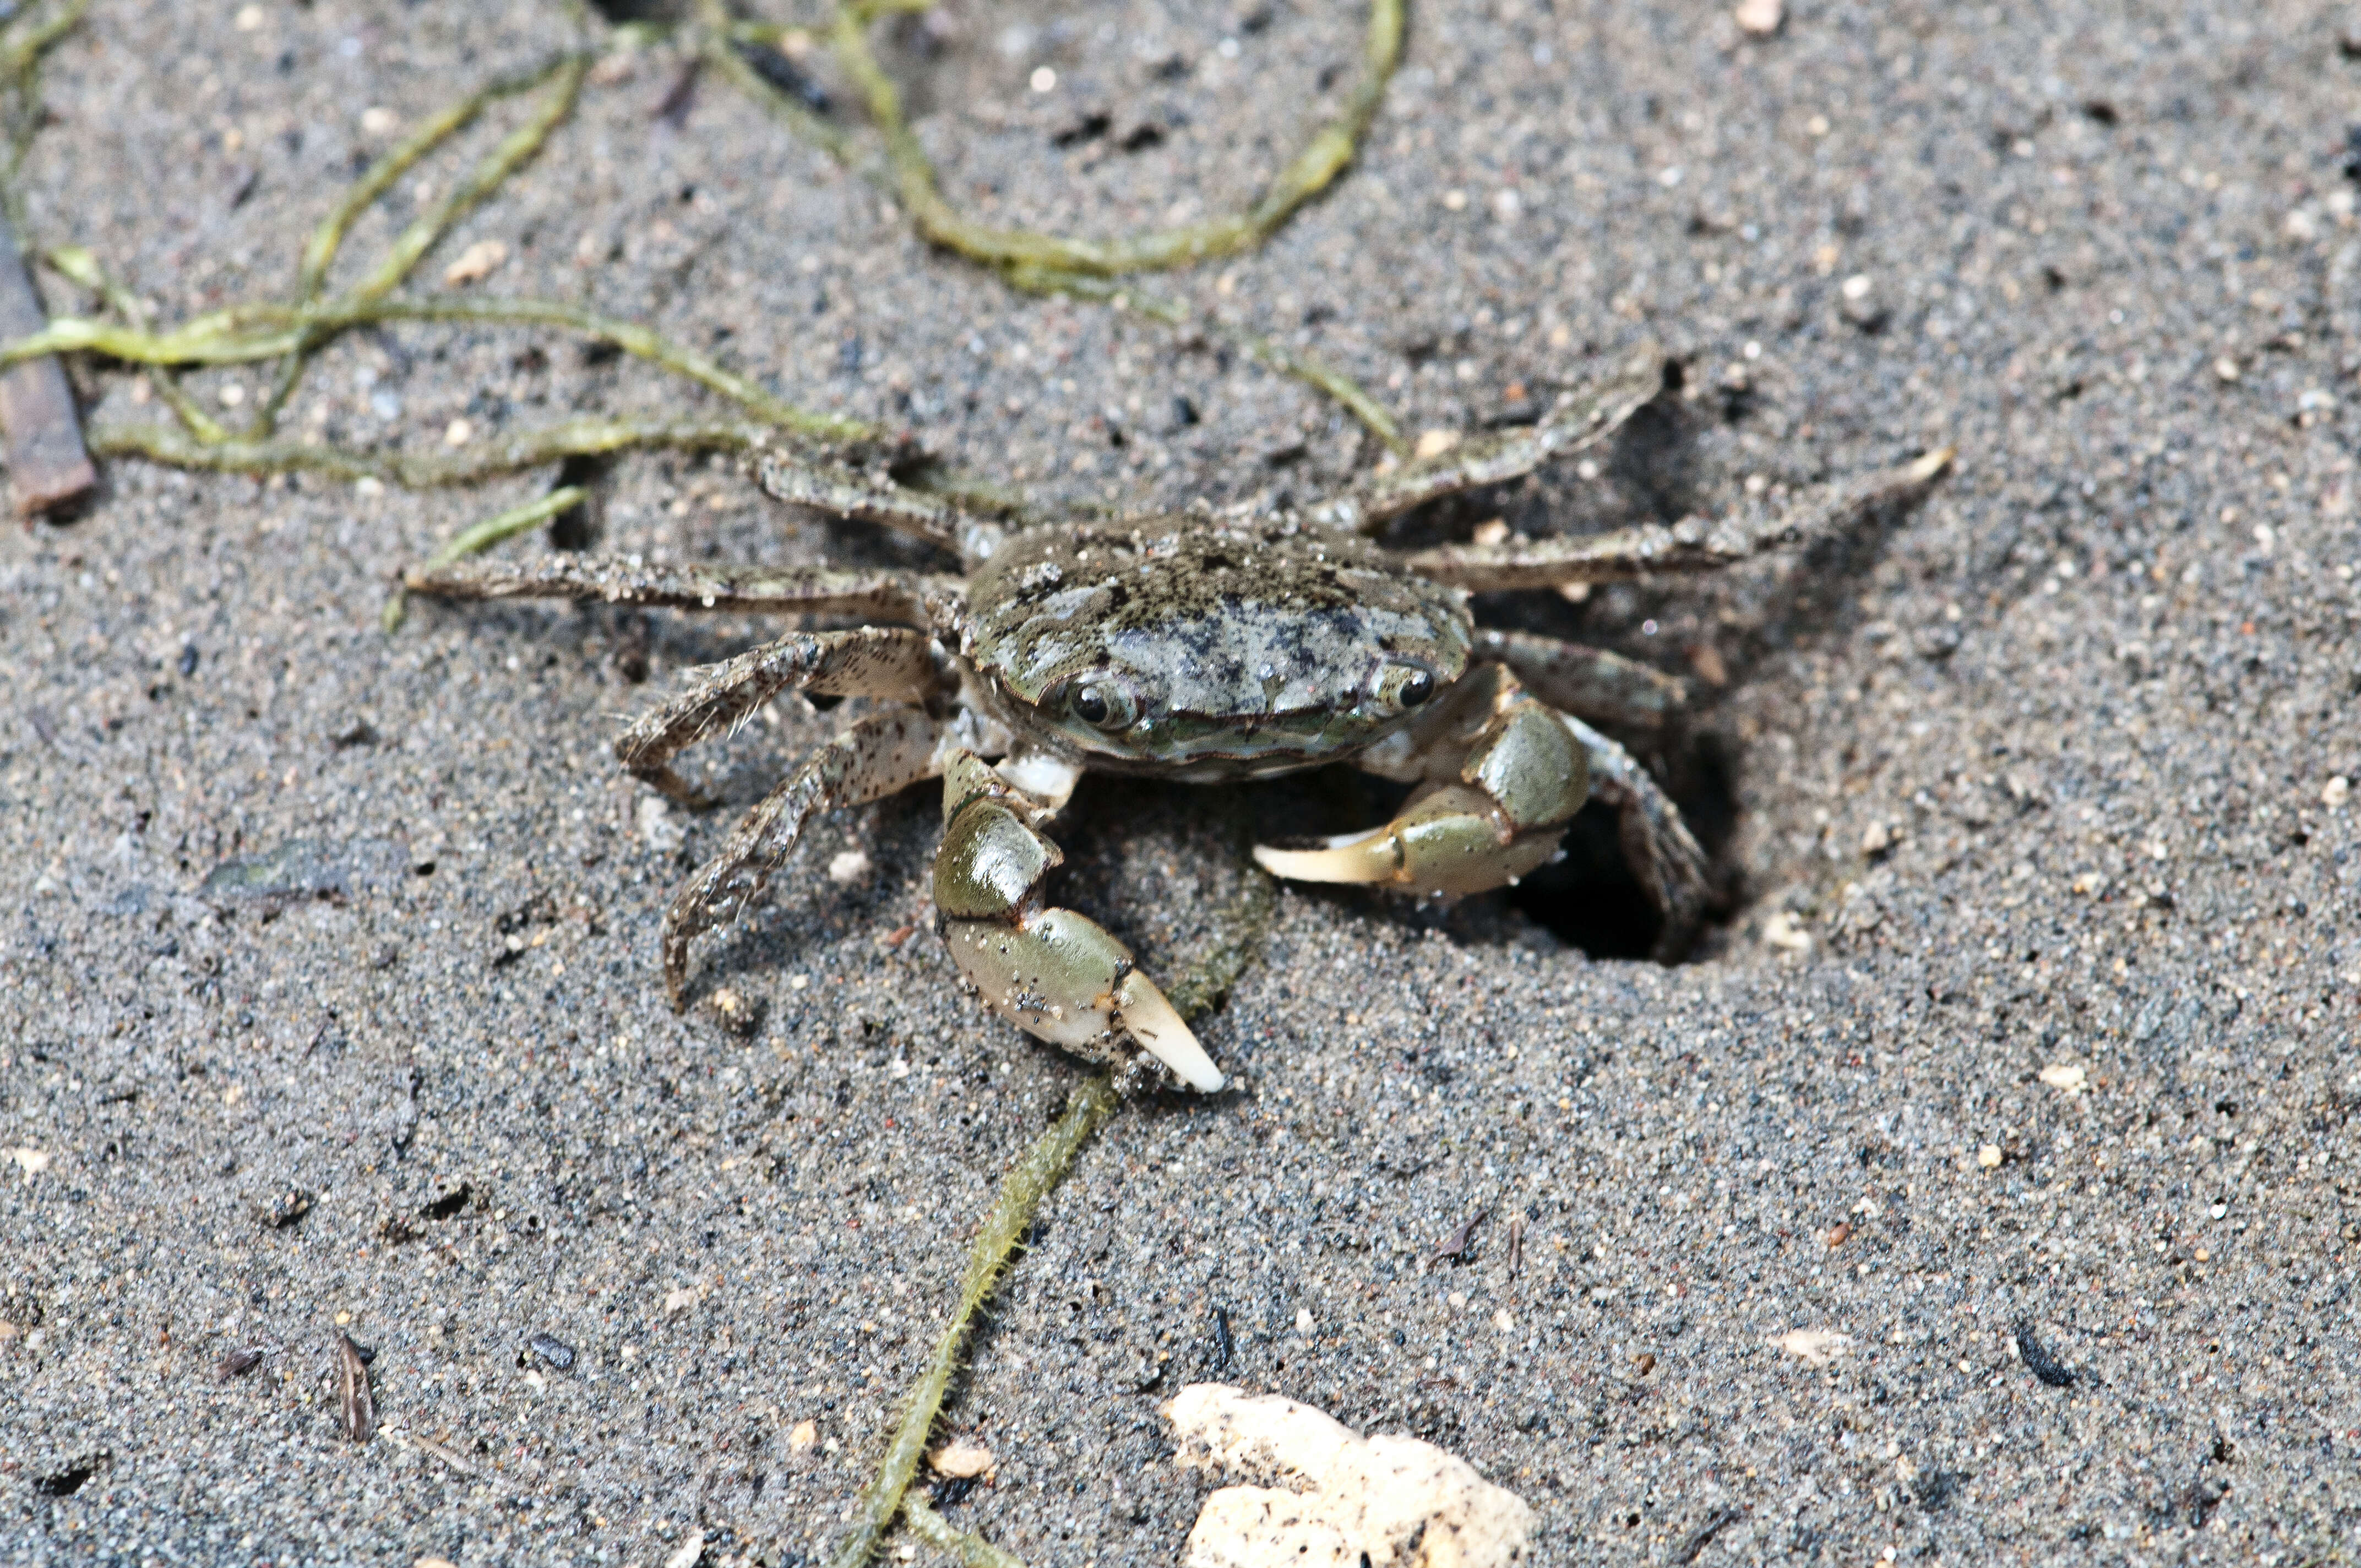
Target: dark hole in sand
{"points": [[66, 1481], [1590, 899], [450, 1205]]}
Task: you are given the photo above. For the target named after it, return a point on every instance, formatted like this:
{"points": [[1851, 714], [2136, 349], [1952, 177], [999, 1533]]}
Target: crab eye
{"points": [[1405, 686], [1102, 703]]}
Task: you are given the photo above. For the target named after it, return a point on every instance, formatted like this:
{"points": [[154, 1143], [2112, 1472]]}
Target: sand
{"points": [[2036, 776]]}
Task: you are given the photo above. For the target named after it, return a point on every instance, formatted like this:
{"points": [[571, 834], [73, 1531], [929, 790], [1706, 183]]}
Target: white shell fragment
{"points": [[1338, 1499], [961, 1459], [1813, 1347], [2066, 1077]]}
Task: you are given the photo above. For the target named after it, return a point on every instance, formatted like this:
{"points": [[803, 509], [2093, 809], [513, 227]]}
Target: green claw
{"points": [[1053, 973], [1529, 763], [1060, 977], [1521, 783], [990, 860]]}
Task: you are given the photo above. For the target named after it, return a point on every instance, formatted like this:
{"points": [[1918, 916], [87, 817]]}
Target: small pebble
{"points": [[1860, 304], [475, 263], [802, 1435], [1760, 17], [379, 122], [847, 867], [1813, 1347], [1435, 442], [458, 432], [2335, 792], [658, 831], [552, 1350], [1988, 1157], [960, 1459], [2226, 368], [2066, 1078], [1043, 80], [735, 1013]]}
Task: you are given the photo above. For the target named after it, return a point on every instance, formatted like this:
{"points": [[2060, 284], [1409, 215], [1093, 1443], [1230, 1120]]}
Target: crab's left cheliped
{"points": [[1056, 974]]}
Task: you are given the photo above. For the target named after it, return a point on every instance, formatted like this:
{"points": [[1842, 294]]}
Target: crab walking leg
{"points": [[882, 754], [1053, 973], [1521, 782], [884, 662], [1657, 845], [845, 491], [795, 590], [1590, 683], [1693, 544], [1589, 418]]}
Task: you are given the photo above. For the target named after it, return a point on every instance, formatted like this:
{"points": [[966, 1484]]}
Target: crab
{"points": [[1200, 646]]}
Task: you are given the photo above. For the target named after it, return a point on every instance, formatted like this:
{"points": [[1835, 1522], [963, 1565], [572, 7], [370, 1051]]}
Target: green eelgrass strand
{"points": [[1331, 148], [1034, 1175], [514, 152], [484, 535], [81, 266], [1028, 1185], [971, 1549], [253, 333]]}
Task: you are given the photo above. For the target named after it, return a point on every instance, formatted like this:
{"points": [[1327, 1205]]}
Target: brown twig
{"points": [[356, 1400], [48, 464]]}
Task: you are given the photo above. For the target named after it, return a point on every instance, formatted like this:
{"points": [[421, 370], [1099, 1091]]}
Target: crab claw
{"points": [[1155, 1024], [1522, 781], [1056, 974], [1059, 977]]}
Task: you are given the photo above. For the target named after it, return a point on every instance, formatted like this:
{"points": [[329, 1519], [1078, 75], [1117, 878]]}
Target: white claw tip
{"points": [[1934, 463], [1152, 1021], [1370, 857]]}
